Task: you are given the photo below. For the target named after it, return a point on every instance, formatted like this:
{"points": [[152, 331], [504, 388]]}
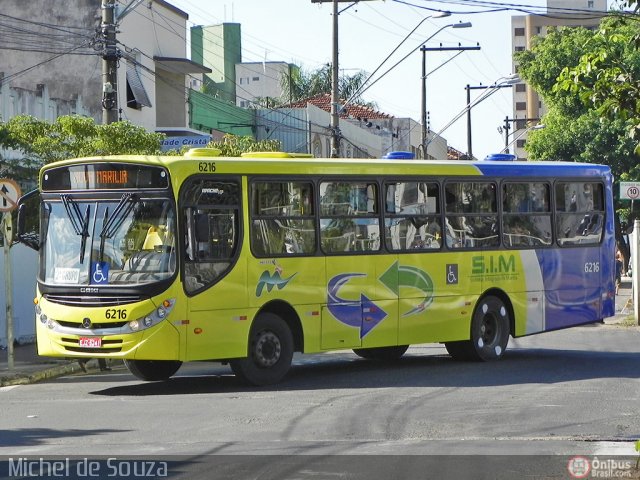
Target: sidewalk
{"points": [[31, 368]]}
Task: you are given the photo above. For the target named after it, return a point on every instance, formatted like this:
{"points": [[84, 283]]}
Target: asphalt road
{"points": [[552, 397]]}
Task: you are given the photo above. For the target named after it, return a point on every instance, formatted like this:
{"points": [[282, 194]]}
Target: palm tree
{"points": [[299, 84]]}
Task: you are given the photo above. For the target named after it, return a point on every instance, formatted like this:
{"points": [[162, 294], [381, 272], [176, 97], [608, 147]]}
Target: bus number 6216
{"points": [[116, 314], [207, 167], [591, 267]]}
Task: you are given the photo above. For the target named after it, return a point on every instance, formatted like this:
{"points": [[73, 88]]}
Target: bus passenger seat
{"points": [[153, 239]]}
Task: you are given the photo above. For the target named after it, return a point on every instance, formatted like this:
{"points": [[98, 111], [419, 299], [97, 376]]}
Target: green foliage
{"points": [[299, 85], [75, 136], [607, 76], [234, 145], [575, 128]]}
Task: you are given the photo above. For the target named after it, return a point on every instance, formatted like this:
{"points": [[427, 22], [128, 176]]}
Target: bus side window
{"points": [[412, 219], [471, 215], [579, 213], [526, 220], [287, 225], [349, 218]]}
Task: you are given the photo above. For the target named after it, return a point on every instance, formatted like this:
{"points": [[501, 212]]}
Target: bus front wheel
{"points": [[153, 370], [383, 354], [489, 333], [270, 352]]}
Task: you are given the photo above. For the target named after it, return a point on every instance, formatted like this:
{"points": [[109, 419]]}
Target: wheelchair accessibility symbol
{"points": [[452, 273], [99, 273]]}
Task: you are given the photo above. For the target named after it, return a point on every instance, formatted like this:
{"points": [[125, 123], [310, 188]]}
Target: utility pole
{"points": [[424, 49], [507, 126], [109, 63], [476, 87], [335, 94], [335, 118]]}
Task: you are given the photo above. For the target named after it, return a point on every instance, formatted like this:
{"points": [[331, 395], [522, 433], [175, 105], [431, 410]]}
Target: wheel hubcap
{"points": [[268, 349], [489, 329]]}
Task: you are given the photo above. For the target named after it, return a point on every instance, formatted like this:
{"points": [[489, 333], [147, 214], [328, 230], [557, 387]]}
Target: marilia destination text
{"points": [[23, 467]]}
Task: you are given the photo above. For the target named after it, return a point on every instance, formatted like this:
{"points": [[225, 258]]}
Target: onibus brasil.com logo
{"points": [[583, 467]]}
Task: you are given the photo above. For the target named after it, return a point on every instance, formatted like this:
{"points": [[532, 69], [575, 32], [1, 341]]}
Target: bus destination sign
{"points": [[104, 176]]}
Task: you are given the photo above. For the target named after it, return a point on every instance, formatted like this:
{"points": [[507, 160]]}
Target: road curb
{"points": [[34, 377]]}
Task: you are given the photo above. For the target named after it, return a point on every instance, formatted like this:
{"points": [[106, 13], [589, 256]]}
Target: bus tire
{"points": [[489, 333], [153, 370], [383, 354], [270, 352]]}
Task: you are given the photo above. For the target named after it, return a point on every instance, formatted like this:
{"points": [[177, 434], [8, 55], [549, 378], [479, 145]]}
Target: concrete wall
{"points": [[24, 264]]}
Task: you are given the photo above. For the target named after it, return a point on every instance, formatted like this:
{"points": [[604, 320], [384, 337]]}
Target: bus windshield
{"points": [[124, 241]]}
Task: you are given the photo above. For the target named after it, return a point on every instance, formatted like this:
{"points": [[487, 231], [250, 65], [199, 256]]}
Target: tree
{"points": [[234, 145], [607, 76], [574, 129], [75, 136], [298, 85]]}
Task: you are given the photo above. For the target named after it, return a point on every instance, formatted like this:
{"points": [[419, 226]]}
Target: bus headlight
{"points": [[152, 318]]}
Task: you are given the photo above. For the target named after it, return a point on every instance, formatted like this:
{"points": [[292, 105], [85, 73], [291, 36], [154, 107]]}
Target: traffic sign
{"points": [[629, 190], [9, 195]]}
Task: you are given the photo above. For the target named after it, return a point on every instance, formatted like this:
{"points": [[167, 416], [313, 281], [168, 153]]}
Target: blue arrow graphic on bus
{"points": [[350, 312]]}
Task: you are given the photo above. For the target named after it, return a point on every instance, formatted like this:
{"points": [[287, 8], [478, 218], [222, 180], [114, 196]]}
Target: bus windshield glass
{"points": [[124, 241]]}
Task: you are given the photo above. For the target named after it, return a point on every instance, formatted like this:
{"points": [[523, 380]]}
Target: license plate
{"points": [[90, 342]]}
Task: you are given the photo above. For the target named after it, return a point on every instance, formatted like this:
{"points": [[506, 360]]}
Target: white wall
{"points": [[24, 266]]}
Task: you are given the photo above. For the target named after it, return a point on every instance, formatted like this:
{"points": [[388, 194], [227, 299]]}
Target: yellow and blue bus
{"points": [[163, 260]]}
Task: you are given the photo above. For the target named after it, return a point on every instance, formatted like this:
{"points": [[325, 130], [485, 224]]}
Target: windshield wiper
{"points": [[80, 225], [110, 225]]}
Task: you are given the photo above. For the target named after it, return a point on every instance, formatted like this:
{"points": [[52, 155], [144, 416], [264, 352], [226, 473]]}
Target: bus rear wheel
{"points": [[489, 333], [153, 370], [270, 352], [383, 354]]}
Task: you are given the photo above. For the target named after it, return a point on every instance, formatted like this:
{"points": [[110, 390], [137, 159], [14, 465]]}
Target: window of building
{"points": [[136, 94], [589, 3], [521, 105], [521, 143], [519, 49], [519, 32], [256, 79], [521, 87]]}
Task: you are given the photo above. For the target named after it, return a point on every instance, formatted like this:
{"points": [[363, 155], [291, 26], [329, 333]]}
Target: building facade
{"points": [[55, 68], [528, 107]]}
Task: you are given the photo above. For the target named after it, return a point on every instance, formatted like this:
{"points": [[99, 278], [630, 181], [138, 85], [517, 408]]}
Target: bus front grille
{"points": [[80, 301]]}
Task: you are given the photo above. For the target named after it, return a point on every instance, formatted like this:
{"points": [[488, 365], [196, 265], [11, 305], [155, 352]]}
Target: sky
{"points": [[300, 32]]}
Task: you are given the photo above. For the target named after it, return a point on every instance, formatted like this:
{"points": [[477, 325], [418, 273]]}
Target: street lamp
{"points": [[423, 139], [540, 126]]}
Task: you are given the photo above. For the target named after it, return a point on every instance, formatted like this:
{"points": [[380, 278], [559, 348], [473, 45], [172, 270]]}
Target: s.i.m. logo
{"points": [[495, 267]]}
